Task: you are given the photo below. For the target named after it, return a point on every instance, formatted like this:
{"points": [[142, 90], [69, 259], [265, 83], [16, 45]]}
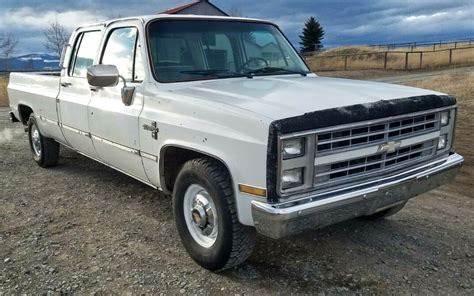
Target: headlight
{"points": [[292, 178], [444, 118], [293, 148], [442, 142]]}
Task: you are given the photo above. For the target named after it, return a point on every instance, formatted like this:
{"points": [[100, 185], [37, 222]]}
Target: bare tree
{"points": [[56, 38], [8, 44]]}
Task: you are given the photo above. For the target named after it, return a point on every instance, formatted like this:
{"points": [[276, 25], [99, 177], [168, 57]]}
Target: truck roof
{"points": [[148, 18]]}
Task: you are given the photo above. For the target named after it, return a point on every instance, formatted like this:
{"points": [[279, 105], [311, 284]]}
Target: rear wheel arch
{"points": [[45, 150], [24, 112], [172, 159]]}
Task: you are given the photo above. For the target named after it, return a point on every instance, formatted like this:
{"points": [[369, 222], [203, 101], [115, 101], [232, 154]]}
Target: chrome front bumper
{"points": [[310, 212]]}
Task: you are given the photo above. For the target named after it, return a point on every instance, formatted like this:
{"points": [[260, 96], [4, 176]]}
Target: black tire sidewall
{"points": [[217, 255], [31, 122]]}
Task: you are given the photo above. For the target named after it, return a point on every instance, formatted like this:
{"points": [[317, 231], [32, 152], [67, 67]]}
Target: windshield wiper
{"points": [[268, 70], [217, 73]]}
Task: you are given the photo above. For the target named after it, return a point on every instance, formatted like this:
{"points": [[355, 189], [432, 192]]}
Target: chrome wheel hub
{"points": [[200, 215], [35, 140]]}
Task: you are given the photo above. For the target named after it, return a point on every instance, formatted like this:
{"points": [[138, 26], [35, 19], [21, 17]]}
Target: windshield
{"points": [[185, 50]]}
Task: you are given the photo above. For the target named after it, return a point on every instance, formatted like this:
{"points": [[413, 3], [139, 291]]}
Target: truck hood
{"points": [[290, 95]]}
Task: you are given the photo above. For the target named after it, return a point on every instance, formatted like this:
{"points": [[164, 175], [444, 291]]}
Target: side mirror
{"points": [[108, 75], [103, 75]]}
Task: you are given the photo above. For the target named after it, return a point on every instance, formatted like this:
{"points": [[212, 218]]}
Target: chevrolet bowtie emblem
{"points": [[153, 128], [390, 147]]}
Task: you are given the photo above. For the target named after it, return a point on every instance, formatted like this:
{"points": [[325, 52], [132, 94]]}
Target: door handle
{"points": [[65, 84]]}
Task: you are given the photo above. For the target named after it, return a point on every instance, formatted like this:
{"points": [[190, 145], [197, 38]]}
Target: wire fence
{"points": [[431, 44], [393, 59]]}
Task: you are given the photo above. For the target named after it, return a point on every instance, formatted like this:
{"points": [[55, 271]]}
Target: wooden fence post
{"points": [[455, 45], [421, 59], [434, 47], [345, 62], [450, 56], [385, 60], [406, 60]]}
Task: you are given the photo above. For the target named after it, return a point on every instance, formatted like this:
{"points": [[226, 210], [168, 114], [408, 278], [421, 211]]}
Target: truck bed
{"points": [[35, 90]]}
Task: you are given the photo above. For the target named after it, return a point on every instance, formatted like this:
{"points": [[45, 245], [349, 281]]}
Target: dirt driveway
{"points": [[84, 228]]}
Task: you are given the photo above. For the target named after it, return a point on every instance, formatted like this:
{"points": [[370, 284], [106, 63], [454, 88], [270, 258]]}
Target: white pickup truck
{"points": [[223, 114]]}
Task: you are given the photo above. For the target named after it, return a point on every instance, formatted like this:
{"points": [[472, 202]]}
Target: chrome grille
{"points": [[376, 133], [371, 164], [341, 156]]}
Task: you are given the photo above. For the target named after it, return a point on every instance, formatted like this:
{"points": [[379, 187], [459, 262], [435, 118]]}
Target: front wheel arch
{"points": [[172, 159]]}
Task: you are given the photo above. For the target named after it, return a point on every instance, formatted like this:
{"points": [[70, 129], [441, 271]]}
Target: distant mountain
{"points": [[35, 62]]}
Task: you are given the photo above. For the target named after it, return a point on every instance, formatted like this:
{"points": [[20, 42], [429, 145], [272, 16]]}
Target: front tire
{"points": [[206, 217], [45, 150]]}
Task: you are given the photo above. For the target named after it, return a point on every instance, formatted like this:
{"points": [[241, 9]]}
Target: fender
{"points": [[191, 147]]}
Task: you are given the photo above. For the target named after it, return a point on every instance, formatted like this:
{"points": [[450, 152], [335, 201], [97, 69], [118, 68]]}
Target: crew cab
{"points": [[224, 115]]}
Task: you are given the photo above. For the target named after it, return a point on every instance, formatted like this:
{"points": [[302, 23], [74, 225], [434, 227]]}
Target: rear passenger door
{"points": [[115, 126], [75, 93]]}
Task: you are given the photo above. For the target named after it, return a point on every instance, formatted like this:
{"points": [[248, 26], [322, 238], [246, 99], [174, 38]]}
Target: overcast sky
{"points": [[345, 21]]}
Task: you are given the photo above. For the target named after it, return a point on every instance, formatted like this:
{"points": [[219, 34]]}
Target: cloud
{"points": [[414, 18], [28, 19], [365, 22], [28, 24], [345, 21], [452, 23]]}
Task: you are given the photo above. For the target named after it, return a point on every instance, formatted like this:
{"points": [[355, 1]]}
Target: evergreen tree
{"points": [[313, 34]]}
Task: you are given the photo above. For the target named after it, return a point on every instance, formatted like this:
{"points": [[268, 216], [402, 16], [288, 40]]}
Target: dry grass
{"points": [[367, 58], [348, 50], [3, 91]]}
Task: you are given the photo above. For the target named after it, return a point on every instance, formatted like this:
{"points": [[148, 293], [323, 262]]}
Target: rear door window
{"points": [[85, 50]]}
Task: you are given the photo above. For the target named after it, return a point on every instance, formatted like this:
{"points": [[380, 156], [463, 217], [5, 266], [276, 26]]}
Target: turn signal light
{"points": [[253, 190]]}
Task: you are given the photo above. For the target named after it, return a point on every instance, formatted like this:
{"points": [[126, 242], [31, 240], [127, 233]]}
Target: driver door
{"points": [[114, 126]]}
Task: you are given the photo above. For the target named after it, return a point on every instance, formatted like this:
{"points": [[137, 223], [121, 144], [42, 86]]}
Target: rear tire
{"points": [[385, 213], [45, 150], [206, 217]]}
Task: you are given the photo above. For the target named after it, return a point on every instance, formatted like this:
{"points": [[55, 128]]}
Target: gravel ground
{"points": [[82, 228]]}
